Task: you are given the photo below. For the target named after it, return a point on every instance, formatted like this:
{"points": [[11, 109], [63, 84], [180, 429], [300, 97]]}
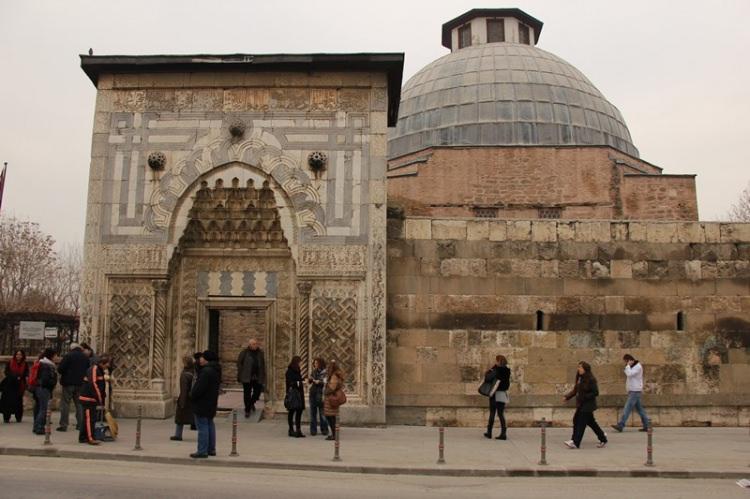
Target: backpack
{"points": [[33, 376]]}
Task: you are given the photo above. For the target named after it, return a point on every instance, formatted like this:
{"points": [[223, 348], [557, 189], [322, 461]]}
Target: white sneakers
{"points": [[570, 444], [601, 444]]}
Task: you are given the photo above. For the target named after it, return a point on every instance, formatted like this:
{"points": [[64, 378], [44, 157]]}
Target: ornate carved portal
{"points": [[236, 279], [129, 337]]}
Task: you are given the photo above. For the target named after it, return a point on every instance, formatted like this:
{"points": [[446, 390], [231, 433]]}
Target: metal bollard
{"points": [[441, 444], [48, 426], [543, 460], [234, 434], [336, 444], [138, 429], [649, 447]]}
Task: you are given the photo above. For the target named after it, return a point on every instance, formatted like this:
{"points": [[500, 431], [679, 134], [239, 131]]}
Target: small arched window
{"points": [[680, 320], [539, 320]]}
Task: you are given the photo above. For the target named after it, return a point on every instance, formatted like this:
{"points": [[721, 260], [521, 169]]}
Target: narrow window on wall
{"points": [[495, 30], [464, 36], [680, 321], [485, 212], [523, 34], [539, 320]]}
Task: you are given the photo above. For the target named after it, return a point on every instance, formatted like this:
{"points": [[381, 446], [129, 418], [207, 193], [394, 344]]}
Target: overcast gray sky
{"points": [[678, 71]]}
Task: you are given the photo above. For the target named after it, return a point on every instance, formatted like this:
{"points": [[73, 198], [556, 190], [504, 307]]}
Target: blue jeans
{"points": [[206, 435], [316, 413], [634, 400], [42, 398]]}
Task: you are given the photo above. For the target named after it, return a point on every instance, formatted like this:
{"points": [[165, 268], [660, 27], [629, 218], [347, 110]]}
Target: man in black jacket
{"points": [[45, 385], [205, 399], [251, 372], [72, 370]]}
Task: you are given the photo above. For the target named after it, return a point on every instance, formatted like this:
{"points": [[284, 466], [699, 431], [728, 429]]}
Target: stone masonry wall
{"points": [[462, 291], [585, 182]]}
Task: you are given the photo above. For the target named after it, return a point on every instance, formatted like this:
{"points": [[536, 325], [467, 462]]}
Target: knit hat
{"points": [[74, 346], [210, 356]]}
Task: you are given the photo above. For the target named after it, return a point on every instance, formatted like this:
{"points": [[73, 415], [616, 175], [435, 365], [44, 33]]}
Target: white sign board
{"points": [[31, 330], [50, 332]]}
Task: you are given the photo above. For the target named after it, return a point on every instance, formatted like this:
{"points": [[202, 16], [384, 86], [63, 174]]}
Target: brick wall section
{"points": [[462, 291], [586, 182], [659, 197]]}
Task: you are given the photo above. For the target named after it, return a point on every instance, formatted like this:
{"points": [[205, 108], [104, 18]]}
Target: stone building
{"points": [[238, 196], [245, 195], [507, 135]]}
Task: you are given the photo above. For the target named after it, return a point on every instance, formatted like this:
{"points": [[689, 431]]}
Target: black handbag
{"points": [[487, 387], [293, 400]]}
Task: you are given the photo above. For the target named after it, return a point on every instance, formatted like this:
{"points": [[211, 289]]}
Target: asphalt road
{"points": [[27, 477]]}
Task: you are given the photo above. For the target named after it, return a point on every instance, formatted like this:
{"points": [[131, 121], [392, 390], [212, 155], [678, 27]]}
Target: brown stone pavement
{"points": [[678, 452]]}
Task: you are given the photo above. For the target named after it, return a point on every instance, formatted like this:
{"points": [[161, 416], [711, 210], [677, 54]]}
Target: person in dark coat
{"points": [[317, 380], [184, 413], [72, 370], [13, 387], [498, 373], [46, 383], [585, 391], [205, 399], [294, 382], [93, 395], [251, 372]]}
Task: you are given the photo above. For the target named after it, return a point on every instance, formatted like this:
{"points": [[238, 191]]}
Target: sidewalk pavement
{"points": [[413, 450]]}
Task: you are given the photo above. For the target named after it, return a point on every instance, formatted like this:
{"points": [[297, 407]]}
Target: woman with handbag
{"points": [[295, 396], [498, 374], [184, 413], [333, 397]]}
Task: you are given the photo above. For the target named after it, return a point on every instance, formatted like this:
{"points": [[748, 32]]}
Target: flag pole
{"points": [[2, 182]]}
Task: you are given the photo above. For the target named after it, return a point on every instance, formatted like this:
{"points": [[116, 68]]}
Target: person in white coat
{"points": [[634, 387]]}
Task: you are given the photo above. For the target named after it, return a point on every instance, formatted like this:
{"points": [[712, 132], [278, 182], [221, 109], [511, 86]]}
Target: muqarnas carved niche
{"points": [[234, 217]]}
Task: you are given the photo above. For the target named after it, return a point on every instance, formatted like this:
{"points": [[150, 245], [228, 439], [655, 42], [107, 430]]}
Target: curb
{"points": [[384, 470]]}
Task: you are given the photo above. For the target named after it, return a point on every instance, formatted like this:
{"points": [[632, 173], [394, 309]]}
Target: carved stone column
{"points": [[159, 342], [304, 288]]}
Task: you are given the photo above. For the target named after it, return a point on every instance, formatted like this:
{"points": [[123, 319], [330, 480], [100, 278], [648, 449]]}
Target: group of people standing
{"points": [[200, 387], [585, 391], [326, 396], [82, 376]]}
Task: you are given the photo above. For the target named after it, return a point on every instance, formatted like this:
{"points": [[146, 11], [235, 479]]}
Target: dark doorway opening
{"points": [[213, 330]]}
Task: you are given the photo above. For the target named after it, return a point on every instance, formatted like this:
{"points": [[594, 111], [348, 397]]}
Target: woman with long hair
{"points": [[13, 387], [317, 382], [500, 372], [294, 382], [333, 397], [585, 391]]}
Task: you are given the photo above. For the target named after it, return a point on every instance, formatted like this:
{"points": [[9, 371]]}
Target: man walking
{"points": [[205, 399], [251, 372], [72, 370], [634, 387]]}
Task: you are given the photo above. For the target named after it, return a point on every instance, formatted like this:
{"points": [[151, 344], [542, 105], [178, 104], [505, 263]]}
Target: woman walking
{"points": [[585, 391], [317, 382], [184, 413], [333, 397], [294, 382], [13, 387], [499, 372], [46, 382]]}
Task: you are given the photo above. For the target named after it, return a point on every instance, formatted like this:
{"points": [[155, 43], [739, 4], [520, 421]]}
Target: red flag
{"points": [[2, 183]]}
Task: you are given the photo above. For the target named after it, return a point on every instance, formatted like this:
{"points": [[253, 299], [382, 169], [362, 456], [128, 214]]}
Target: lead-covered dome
{"points": [[499, 94]]}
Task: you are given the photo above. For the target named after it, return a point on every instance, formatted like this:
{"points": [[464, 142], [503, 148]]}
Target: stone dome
{"points": [[499, 94]]}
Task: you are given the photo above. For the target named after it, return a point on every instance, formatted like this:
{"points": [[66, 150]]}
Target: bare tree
{"points": [[740, 210], [33, 277]]}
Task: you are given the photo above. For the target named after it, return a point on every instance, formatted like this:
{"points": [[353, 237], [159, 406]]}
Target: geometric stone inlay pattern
{"points": [[237, 284], [334, 329], [130, 332]]}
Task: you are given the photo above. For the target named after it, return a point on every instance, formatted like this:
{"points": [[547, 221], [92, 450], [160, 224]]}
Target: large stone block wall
{"points": [[584, 182], [462, 291]]}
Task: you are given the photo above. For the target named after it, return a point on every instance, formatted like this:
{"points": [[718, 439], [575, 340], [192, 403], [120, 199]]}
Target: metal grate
{"points": [[485, 212], [550, 212]]}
